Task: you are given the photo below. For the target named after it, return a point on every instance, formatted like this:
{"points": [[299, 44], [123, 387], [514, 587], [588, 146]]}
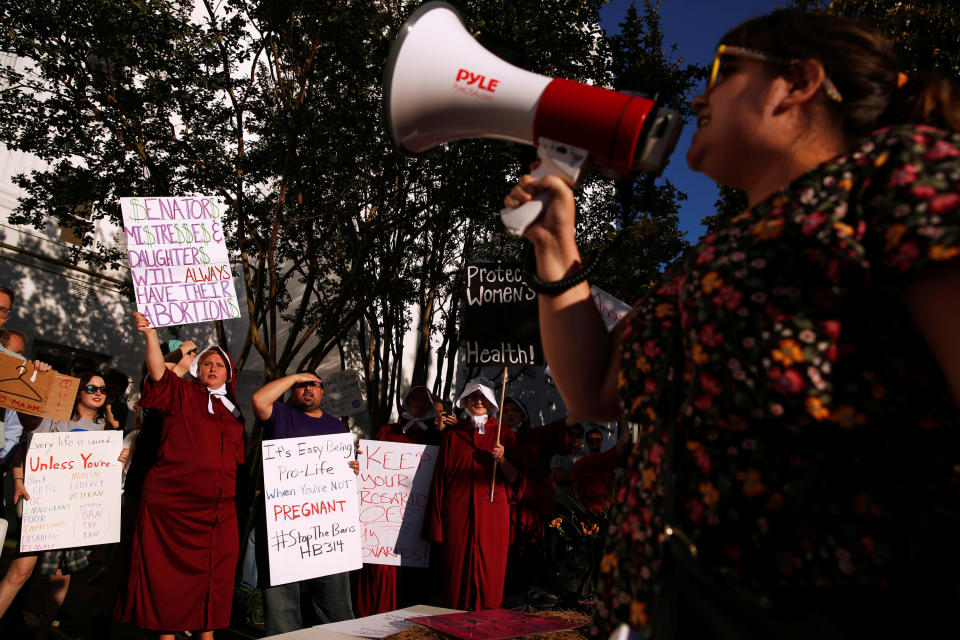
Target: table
{"points": [[320, 633]]}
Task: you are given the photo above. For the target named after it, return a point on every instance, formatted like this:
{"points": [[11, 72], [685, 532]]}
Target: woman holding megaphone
{"points": [[796, 375]]}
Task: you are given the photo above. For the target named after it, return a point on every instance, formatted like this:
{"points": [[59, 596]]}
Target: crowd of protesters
{"points": [[794, 380], [179, 525]]}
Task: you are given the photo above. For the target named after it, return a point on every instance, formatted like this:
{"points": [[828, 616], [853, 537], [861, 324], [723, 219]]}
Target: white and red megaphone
{"points": [[441, 85]]}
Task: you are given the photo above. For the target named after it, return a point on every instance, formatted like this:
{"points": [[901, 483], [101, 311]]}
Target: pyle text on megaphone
{"points": [[441, 85]]}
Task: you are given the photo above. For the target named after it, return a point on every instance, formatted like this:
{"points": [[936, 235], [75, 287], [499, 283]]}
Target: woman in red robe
{"points": [[474, 530], [535, 448], [382, 587], [186, 541]]}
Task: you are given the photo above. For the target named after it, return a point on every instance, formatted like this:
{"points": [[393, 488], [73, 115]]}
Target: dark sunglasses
{"points": [[308, 385], [92, 389], [592, 440]]}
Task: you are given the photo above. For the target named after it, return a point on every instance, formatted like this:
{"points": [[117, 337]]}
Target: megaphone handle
{"points": [[518, 219], [556, 159]]}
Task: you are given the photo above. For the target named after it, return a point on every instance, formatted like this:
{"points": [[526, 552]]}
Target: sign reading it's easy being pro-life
{"points": [[178, 259]]}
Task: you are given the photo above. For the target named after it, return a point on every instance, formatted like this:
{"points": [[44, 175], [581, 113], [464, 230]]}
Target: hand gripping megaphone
{"points": [[441, 85]]}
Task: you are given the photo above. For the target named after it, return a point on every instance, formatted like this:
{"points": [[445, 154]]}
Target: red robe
{"points": [[593, 479], [535, 448], [186, 543], [474, 531], [382, 587]]}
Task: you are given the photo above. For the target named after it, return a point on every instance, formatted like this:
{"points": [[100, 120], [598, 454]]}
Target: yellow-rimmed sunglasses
{"points": [[753, 54]]}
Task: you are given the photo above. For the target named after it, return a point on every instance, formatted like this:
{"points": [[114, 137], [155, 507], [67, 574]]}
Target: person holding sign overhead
{"points": [[380, 587], [186, 542], [329, 595], [474, 529]]}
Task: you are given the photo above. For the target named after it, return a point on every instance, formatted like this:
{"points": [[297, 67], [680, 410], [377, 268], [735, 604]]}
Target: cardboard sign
{"points": [[501, 320], [178, 259], [395, 482], [48, 394], [73, 479], [493, 624], [312, 507], [341, 393]]}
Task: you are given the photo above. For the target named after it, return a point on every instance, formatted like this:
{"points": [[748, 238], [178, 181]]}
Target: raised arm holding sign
{"points": [[190, 490]]}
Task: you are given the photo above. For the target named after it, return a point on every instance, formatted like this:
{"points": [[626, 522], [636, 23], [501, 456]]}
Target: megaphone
{"points": [[441, 85]]}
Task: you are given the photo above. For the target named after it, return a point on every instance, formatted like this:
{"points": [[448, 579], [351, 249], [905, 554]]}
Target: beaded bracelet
{"points": [[557, 286]]}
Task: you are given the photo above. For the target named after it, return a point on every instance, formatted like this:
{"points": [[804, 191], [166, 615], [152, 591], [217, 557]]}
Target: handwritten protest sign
{"points": [[178, 259], [47, 394], [493, 624], [73, 479], [500, 323], [394, 486], [611, 309], [312, 507], [342, 395]]}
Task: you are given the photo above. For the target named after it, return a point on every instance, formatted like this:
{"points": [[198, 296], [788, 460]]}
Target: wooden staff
{"points": [[503, 394]]}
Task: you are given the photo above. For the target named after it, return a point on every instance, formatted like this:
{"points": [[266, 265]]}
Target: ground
{"points": [[76, 615]]}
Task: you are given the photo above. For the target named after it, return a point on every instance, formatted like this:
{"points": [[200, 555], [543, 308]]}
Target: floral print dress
{"points": [[815, 443]]}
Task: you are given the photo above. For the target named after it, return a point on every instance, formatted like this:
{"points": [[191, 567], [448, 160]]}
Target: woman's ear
{"points": [[805, 79]]}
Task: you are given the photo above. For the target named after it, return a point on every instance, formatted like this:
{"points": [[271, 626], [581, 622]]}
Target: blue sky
{"points": [[696, 27]]}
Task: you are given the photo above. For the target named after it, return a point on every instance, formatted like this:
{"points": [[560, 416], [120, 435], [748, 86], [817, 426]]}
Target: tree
{"points": [[277, 108]]}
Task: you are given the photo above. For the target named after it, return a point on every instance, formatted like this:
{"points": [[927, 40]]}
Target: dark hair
{"points": [[119, 379], [862, 64], [85, 378], [86, 364], [9, 292], [6, 333], [595, 431], [524, 419]]}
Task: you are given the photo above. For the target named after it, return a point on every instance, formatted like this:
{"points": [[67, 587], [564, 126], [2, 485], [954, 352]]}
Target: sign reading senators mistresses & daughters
{"points": [[178, 259]]}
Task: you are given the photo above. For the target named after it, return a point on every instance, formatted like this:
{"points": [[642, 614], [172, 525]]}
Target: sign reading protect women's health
{"points": [[312, 507], [178, 259], [73, 479]]}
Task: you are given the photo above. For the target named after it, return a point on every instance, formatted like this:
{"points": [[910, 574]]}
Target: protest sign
{"points": [[394, 486], [611, 309], [341, 393], [312, 507], [493, 624], [501, 321], [47, 394], [73, 479], [178, 259]]}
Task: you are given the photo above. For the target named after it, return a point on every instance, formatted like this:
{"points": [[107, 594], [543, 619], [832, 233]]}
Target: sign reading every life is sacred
{"points": [[73, 479], [311, 507], [178, 259]]}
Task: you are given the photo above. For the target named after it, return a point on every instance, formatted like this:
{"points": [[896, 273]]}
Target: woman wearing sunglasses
{"points": [[88, 415], [796, 375], [186, 540]]}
